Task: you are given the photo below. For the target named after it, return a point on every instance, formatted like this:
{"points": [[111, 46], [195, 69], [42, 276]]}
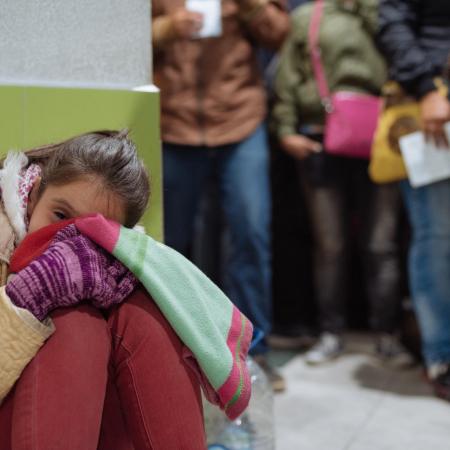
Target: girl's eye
{"points": [[59, 215]]}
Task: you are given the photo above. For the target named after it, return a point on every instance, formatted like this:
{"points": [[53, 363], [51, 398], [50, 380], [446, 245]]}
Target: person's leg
{"points": [[380, 208], [328, 215], [159, 393], [185, 173], [382, 257], [58, 400], [6, 412], [114, 433], [246, 201], [429, 265], [323, 180]]}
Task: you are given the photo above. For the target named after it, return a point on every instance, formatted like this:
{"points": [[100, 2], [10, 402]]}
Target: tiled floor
{"points": [[355, 404]]}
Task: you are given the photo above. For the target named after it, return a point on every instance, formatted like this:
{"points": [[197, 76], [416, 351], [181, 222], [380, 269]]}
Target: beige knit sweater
{"points": [[21, 334]]}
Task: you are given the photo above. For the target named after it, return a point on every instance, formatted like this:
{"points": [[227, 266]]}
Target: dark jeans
{"points": [[334, 188], [242, 171]]}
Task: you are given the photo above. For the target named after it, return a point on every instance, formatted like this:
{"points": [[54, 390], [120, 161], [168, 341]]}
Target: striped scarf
{"points": [[216, 334]]}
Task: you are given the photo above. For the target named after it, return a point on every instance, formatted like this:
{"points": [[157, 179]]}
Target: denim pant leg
{"points": [[185, 173], [429, 265], [382, 257], [245, 193]]}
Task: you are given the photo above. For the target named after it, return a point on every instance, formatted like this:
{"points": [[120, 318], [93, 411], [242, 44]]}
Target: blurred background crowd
{"points": [[310, 239]]}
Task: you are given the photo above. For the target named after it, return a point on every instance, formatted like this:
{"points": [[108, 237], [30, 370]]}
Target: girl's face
{"points": [[78, 198]]}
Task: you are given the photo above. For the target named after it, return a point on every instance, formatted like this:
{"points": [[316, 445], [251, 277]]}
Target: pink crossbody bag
{"points": [[351, 117]]}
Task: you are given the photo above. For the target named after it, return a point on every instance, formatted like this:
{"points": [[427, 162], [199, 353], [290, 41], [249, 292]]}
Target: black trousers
{"points": [[343, 205]]}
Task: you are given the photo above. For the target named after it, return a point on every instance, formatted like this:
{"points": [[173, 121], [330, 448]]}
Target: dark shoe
{"points": [[390, 351], [276, 380], [439, 376], [290, 338]]}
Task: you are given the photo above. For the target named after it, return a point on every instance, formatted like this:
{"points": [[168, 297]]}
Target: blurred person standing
{"points": [[213, 107], [335, 186], [415, 37]]}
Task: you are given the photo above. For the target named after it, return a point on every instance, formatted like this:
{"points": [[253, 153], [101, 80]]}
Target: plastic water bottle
{"points": [[254, 429]]}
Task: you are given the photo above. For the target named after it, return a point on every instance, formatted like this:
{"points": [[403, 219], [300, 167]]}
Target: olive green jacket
{"points": [[349, 56]]}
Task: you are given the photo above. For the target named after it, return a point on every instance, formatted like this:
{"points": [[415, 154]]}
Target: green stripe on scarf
{"points": [[202, 320]]}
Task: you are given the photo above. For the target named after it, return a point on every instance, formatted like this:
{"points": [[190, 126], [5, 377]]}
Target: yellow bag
{"points": [[400, 116]]}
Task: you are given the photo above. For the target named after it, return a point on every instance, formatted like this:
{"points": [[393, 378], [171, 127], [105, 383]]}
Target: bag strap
{"points": [[313, 43]]}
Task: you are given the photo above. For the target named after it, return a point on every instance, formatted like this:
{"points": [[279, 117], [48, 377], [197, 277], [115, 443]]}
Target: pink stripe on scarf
{"points": [[239, 375], [102, 231]]}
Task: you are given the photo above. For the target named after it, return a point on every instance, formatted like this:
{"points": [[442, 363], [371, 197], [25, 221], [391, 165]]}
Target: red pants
{"points": [[119, 384]]}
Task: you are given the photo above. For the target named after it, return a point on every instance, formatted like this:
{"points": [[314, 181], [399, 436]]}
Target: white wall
{"points": [[101, 43]]}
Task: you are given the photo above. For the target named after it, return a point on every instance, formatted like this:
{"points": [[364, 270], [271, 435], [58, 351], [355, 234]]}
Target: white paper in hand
{"points": [[424, 162], [212, 16]]}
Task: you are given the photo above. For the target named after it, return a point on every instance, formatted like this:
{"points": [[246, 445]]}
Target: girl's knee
{"points": [[80, 329], [139, 322]]}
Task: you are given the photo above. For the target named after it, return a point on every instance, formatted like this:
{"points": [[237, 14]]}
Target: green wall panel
{"points": [[11, 118], [31, 116]]}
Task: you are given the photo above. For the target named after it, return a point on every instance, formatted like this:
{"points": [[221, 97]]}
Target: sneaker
{"points": [[391, 352], [328, 347], [276, 380], [439, 377]]}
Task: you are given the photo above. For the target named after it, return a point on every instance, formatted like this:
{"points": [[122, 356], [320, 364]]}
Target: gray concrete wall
{"points": [[99, 43]]}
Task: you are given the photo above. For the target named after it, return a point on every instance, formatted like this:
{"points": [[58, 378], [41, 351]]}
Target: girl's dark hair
{"points": [[110, 155]]}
